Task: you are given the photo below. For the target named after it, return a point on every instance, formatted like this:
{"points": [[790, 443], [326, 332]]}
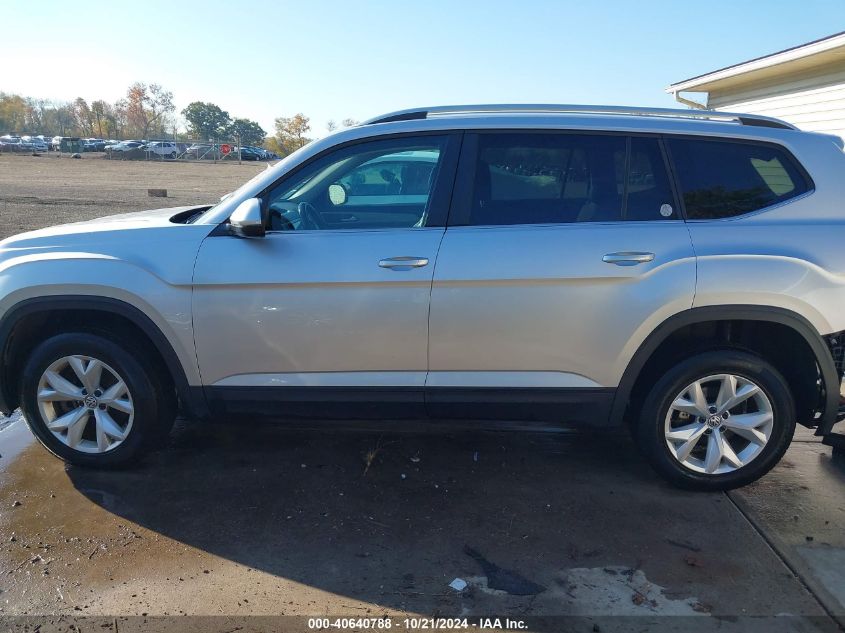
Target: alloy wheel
{"points": [[85, 404], [718, 424]]}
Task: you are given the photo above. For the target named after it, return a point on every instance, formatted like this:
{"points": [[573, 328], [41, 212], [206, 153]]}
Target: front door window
{"points": [[372, 185]]}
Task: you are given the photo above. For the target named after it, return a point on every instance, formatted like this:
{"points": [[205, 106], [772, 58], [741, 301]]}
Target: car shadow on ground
{"points": [[536, 523]]}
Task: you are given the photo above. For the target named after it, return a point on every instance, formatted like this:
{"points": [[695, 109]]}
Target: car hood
{"points": [[139, 225], [147, 241]]}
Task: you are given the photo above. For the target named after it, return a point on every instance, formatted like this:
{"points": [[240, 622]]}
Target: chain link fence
{"points": [[215, 150]]}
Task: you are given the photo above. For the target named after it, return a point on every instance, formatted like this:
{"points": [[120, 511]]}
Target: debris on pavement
{"points": [[458, 584], [684, 545], [504, 579], [692, 561]]}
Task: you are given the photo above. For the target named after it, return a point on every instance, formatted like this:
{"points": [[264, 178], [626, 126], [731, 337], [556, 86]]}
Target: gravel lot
{"points": [[39, 191]]}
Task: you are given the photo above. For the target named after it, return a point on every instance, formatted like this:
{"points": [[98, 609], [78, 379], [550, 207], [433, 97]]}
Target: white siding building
{"points": [[804, 85]]}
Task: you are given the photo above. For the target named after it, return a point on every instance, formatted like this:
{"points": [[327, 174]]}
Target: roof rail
{"points": [[518, 108]]}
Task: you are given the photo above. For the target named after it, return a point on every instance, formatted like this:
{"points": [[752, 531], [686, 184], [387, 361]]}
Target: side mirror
{"points": [[247, 220], [337, 194]]}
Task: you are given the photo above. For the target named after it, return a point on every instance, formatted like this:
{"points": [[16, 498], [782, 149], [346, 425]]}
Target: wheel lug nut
{"points": [[103, 407], [712, 409], [84, 392]]}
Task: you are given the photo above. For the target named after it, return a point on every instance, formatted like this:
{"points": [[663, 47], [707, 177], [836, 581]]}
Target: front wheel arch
{"points": [[19, 335]]}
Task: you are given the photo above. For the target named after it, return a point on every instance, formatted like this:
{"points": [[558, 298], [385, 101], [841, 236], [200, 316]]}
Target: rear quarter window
{"points": [[724, 179]]}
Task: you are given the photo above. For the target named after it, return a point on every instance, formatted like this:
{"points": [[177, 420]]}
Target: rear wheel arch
{"points": [[657, 351], [85, 313]]}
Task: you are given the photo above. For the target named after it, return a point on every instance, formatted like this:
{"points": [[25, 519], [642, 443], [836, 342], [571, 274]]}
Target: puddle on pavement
{"points": [[582, 591], [619, 591], [14, 438]]}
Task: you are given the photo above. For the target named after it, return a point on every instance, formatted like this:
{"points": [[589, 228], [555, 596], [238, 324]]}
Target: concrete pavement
{"points": [[243, 521]]}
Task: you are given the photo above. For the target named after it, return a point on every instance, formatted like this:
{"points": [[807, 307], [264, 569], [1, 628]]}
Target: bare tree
{"points": [[84, 117], [99, 109], [65, 119], [147, 108]]}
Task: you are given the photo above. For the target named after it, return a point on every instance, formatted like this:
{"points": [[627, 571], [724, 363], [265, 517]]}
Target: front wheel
{"points": [[717, 421], [93, 402]]}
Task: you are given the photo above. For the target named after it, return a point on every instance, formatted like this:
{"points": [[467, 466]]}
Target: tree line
{"points": [[147, 112]]}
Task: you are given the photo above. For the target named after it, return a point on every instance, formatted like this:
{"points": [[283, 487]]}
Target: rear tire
{"points": [[694, 438], [129, 412]]}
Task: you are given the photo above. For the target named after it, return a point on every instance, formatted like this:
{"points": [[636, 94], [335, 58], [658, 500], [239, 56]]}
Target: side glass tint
{"points": [[649, 192], [554, 178], [547, 178], [723, 179], [369, 185]]}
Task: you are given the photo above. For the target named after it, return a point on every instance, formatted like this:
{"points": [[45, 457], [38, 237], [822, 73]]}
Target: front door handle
{"points": [[403, 263], [628, 258]]}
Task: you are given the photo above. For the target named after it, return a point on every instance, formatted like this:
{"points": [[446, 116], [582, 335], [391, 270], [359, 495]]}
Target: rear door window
{"points": [[559, 178], [723, 179], [648, 191]]}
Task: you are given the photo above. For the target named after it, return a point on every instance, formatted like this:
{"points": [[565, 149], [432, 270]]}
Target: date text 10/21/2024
{"points": [[417, 624]]}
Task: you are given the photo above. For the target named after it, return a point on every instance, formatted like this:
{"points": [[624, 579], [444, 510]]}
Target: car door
{"points": [[331, 306], [563, 251]]}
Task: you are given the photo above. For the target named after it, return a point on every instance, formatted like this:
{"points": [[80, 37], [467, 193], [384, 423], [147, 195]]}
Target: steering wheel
{"points": [[310, 218], [278, 222]]}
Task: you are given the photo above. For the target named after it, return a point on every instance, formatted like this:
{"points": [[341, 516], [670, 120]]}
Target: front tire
{"points": [[92, 402], [717, 421]]}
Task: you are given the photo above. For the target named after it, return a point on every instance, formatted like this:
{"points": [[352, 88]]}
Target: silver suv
{"points": [[678, 272]]}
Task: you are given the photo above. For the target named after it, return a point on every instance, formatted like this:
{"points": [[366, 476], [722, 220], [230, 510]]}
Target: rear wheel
{"points": [[92, 402], [717, 421]]}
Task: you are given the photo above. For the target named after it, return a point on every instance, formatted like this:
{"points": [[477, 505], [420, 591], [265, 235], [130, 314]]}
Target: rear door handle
{"points": [[403, 263], [628, 258]]}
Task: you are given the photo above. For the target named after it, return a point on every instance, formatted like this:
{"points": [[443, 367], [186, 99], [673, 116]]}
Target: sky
{"points": [[330, 59]]}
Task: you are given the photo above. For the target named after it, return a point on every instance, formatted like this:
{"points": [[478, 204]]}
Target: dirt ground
{"points": [[257, 527], [39, 191]]}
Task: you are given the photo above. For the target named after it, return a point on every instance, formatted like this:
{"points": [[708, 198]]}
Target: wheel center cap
{"points": [[90, 402], [714, 421]]}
